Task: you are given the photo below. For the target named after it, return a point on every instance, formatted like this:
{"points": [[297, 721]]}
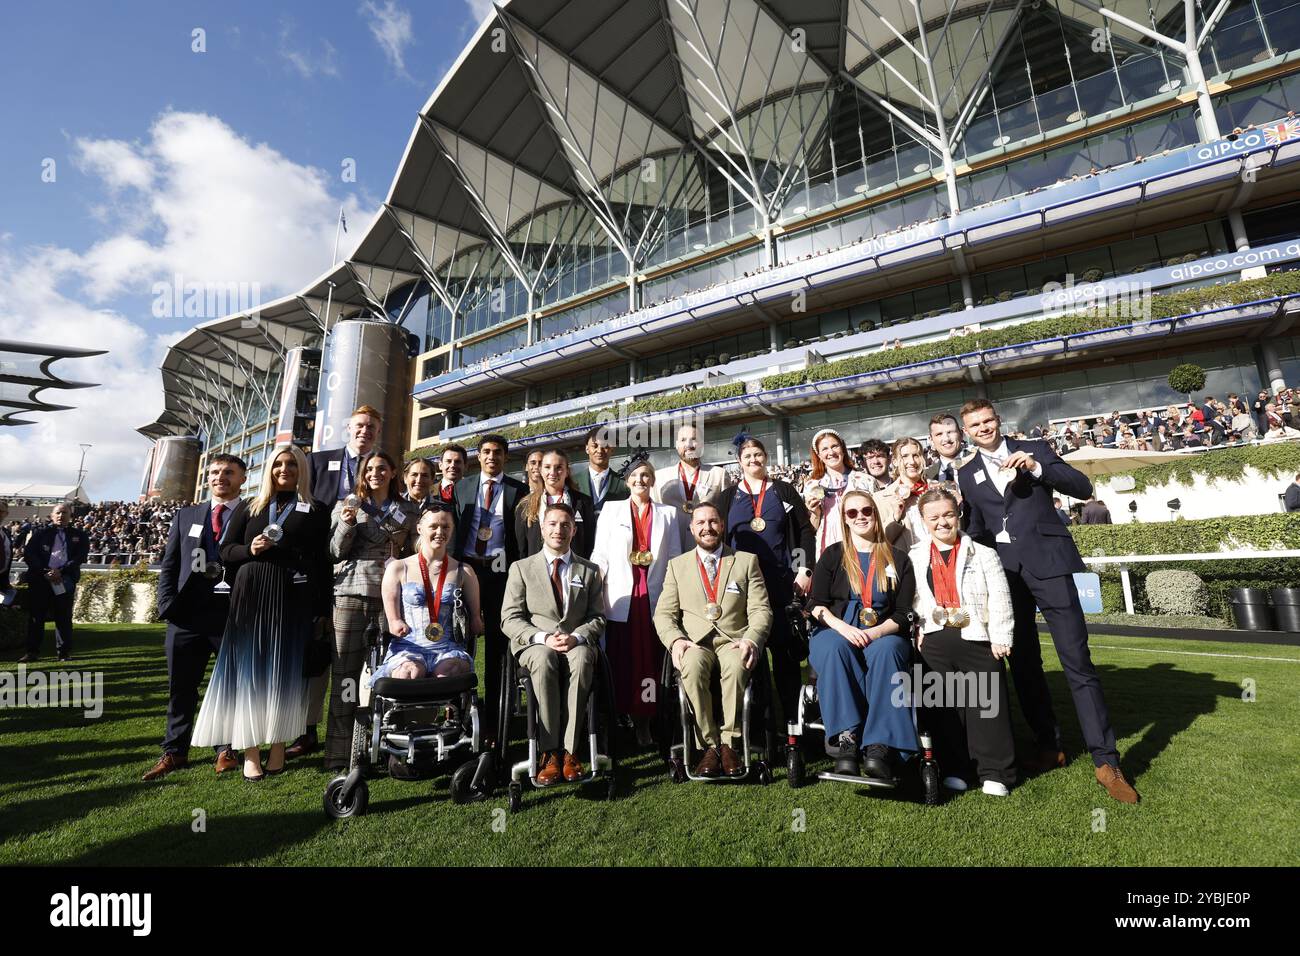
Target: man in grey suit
{"points": [[553, 616]]}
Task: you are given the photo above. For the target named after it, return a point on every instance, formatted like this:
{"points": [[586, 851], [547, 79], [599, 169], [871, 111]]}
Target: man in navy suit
{"points": [[1007, 490], [53, 556], [597, 481], [485, 540], [194, 599]]}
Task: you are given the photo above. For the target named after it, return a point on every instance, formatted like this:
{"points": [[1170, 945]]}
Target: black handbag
{"points": [[318, 653]]}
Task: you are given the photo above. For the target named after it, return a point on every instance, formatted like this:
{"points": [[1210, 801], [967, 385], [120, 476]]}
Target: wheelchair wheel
{"points": [[764, 773], [611, 788], [677, 771], [794, 767], [337, 807], [515, 797], [930, 782], [462, 785]]}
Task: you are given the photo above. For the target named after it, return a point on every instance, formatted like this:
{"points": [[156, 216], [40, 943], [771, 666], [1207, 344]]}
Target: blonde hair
{"points": [[895, 464], [267, 491], [881, 551], [532, 505]]}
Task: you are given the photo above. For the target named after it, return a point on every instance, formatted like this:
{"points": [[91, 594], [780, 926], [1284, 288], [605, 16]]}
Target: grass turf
{"points": [[1219, 779]]}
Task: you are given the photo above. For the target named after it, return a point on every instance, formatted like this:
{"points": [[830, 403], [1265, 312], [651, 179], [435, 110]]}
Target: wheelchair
{"points": [[398, 724], [601, 724], [758, 741], [807, 718]]}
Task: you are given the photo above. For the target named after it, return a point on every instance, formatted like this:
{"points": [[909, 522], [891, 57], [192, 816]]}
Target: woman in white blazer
{"points": [[963, 604], [635, 540]]}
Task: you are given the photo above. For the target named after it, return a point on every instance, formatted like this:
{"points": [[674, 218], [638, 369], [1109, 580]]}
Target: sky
{"points": [[211, 141]]}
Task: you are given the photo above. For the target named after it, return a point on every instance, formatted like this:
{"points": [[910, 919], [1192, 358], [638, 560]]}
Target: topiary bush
{"points": [[1177, 592], [1186, 378]]}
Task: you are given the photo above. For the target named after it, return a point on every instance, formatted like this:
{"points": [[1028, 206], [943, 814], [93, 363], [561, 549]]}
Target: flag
{"points": [[1281, 131], [343, 219]]}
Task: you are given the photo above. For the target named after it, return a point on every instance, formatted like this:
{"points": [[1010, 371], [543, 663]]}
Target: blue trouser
{"points": [[855, 686]]}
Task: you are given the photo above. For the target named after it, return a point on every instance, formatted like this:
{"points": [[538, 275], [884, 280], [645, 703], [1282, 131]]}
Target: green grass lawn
{"points": [[1219, 779]]}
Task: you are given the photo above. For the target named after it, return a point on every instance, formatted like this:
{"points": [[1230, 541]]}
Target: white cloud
{"points": [[213, 208], [480, 10], [391, 27], [307, 64]]}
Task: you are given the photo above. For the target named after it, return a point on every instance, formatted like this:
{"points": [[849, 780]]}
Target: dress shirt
{"points": [[498, 540], [993, 461], [599, 485], [348, 472]]}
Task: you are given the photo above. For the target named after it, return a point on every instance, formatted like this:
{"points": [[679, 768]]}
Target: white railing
{"points": [[1126, 559]]}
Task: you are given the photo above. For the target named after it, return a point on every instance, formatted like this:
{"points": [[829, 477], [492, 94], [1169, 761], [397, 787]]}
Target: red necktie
{"points": [[445, 492], [558, 587], [216, 520], [485, 518]]}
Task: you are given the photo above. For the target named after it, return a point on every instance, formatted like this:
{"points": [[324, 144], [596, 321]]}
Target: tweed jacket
{"points": [[361, 550], [746, 610], [984, 592]]}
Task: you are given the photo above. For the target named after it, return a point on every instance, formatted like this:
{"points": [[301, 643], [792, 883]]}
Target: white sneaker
{"points": [[954, 783], [995, 789]]}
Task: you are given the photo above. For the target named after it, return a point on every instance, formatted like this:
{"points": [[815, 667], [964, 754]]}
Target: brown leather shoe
{"points": [[550, 772], [165, 765], [710, 764], [306, 744], [1110, 777], [573, 771], [226, 760], [732, 765], [1043, 761]]}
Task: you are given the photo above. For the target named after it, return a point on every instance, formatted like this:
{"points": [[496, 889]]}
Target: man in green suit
{"points": [[553, 616], [597, 480], [714, 616]]}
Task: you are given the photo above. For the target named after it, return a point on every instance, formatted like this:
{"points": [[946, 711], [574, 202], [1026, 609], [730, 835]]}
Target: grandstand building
{"points": [[783, 214]]}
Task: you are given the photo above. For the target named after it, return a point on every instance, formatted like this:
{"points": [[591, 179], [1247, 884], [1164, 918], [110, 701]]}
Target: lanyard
{"points": [[563, 495], [690, 489], [433, 601], [275, 515], [945, 577], [757, 501], [868, 596], [641, 527], [710, 590]]}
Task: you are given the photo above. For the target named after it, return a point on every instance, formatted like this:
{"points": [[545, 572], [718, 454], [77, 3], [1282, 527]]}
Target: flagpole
{"points": [[325, 324]]}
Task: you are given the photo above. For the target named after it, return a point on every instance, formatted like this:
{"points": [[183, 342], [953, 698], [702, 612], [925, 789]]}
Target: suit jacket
{"points": [[529, 604], [983, 587], [528, 537], [6, 558], [1038, 540], [361, 550], [36, 555], [746, 610], [932, 469], [1095, 513], [185, 598], [617, 489], [1292, 497], [614, 545], [325, 468], [512, 490]]}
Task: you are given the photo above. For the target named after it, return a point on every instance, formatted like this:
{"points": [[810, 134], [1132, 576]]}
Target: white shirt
{"points": [[566, 579], [498, 540], [993, 461]]}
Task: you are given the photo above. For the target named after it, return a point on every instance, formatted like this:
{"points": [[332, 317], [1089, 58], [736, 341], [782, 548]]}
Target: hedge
{"points": [[1162, 307], [101, 596], [1225, 464]]}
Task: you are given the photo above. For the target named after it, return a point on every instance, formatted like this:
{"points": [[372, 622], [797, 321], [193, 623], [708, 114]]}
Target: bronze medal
{"points": [[688, 506], [868, 617], [712, 611], [434, 631], [485, 534], [757, 524]]}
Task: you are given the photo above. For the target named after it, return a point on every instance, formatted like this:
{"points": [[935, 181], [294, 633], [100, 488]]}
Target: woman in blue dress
{"points": [[424, 590], [862, 599]]}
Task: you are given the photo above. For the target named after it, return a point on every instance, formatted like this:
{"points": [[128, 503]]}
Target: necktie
{"points": [[445, 492], [485, 519], [711, 565], [216, 521], [598, 487], [558, 587]]}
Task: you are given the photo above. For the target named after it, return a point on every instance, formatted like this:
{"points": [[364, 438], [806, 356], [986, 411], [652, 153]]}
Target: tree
{"points": [[1187, 379]]}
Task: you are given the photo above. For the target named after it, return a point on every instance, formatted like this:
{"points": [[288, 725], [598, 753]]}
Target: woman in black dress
{"points": [[557, 487], [277, 553]]}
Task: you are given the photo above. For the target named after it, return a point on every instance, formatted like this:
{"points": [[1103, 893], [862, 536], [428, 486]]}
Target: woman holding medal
{"points": [[906, 528], [769, 520], [369, 528], [420, 597], [862, 599], [635, 540], [557, 487], [963, 604], [832, 477], [276, 552]]}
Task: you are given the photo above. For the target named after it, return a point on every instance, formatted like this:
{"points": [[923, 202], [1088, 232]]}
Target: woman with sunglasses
{"points": [[768, 519], [369, 528], [862, 603], [833, 475], [557, 487], [963, 604]]}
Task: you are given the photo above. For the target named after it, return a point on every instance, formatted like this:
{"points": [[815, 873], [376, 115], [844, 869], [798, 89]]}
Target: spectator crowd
{"points": [[121, 533]]}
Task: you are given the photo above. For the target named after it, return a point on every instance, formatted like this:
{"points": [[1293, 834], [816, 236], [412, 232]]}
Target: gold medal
{"points": [[647, 559], [868, 617], [712, 611], [434, 631], [757, 524], [485, 534], [958, 617], [816, 493], [688, 506]]}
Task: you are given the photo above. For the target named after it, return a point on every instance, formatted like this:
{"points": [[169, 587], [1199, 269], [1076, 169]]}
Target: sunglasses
{"points": [[852, 513]]}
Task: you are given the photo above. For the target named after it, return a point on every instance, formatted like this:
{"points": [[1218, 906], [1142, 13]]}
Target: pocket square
{"points": [[733, 588]]}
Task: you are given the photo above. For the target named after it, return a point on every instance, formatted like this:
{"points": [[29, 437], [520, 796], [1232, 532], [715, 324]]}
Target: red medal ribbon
{"points": [[690, 489], [757, 502], [919, 488], [641, 527], [710, 590], [433, 601], [868, 576], [946, 593]]}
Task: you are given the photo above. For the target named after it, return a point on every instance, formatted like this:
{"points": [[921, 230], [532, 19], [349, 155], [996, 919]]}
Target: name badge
{"points": [[577, 516], [58, 588], [980, 476], [891, 573], [333, 465], [196, 531], [221, 589], [302, 506]]}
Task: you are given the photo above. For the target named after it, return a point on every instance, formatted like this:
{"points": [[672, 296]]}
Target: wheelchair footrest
{"points": [[890, 784]]}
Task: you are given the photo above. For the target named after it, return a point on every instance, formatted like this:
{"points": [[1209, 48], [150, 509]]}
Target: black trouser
{"points": [[1058, 600], [187, 659], [44, 605], [491, 596], [974, 723], [786, 671]]}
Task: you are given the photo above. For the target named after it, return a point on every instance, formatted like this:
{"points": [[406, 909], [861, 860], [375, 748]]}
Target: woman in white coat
{"points": [[963, 604], [635, 540]]}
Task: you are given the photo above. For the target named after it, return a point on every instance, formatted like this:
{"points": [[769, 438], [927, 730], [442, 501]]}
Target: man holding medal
{"points": [[685, 483], [714, 616], [194, 600], [1007, 490]]}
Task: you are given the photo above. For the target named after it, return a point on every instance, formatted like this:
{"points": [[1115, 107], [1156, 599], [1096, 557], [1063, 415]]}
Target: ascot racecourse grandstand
{"points": [[787, 213]]}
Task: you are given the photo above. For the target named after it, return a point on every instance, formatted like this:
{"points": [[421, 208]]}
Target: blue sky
{"points": [[224, 165]]}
